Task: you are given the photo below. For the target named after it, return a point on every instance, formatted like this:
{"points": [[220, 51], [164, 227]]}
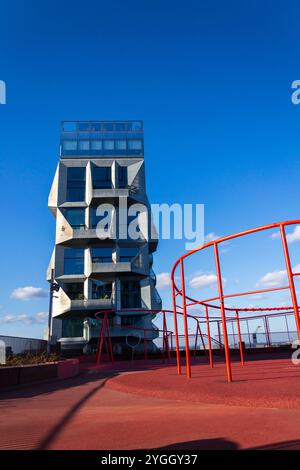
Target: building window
{"points": [[75, 217], [130, 320], [83, 145], [74, 290], [127, 254], [75, 184], [72, 327], [101, 290], [134, 144], [101, 177], [101, 255], [108, 144], [130, 294], [96, 144], [123, 176], [74, 261], [120, 144], [70, 144]]}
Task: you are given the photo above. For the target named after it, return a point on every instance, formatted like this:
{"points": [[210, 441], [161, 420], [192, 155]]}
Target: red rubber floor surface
{"points": [[271, 383], [86, 413]]}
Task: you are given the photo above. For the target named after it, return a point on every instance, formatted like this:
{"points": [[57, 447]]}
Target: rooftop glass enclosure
{"points": [[101, 138]]}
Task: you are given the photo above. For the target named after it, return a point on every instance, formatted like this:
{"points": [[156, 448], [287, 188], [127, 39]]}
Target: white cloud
{"points": [[210, 237], [26, 293], [163, 280], [40, 317], [272, 279], [291, 237], [203, 280], [275, 278], [275, 235]]}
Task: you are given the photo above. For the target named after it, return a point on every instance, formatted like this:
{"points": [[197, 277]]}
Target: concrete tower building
{"points": [[101, 172]]}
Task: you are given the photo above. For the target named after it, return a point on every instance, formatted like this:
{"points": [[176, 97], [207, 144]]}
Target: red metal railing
{"points": [[187, 301]]}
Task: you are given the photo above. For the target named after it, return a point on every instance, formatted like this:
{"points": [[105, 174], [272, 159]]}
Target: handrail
{"points": [[188, 301]]}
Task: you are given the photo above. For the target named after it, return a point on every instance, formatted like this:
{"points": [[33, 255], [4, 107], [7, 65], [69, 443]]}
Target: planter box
{"points": [[12, 376], [37, 372], [68, 368]]}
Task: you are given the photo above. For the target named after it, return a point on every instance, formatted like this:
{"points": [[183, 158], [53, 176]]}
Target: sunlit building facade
{"points": [[101, 163]]}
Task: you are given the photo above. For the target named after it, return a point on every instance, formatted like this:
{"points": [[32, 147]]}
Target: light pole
{"points": [[53, 287]]}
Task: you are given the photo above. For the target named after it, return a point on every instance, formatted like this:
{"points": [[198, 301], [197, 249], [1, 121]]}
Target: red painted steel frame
{"points": [[188, 301]]}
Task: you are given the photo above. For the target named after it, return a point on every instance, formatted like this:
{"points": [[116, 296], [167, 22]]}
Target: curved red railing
{"points": [[167, 335], [188, 301]]}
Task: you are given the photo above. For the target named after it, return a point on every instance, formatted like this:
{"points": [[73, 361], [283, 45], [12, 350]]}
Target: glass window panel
{"points": [[74, 261], [120, 144], [83, 144], [75, 217], [107, 126], [136, 126], [101, 255], [108, 144], [69, 126], [130, 320], [121, 126], [70, 144], [101, 290], [76, 174], [101, 177], [130, 294], [123, 176], [72, 327], [95, 126], [96, 144], [76, 184], [127, 254], [134, 144], [84, 126], [74, 290]]}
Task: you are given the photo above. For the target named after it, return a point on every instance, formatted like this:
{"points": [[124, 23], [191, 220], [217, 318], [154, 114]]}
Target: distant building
{"points": [[100, 162]]}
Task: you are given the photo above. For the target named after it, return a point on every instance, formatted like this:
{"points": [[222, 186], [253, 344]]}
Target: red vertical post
{"points": [[176, 328], [209, 337], [185, 323], [290, 278], [223, 314], [240, 338]]}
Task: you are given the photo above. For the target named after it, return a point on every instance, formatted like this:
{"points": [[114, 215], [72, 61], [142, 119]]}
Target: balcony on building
{"points": [[130, 259]]}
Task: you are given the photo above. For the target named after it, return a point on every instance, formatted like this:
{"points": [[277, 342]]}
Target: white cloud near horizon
{"points": [[203, 280], [211, 236], [39, 318], [290, 237], [275, 278], [26, 293]]}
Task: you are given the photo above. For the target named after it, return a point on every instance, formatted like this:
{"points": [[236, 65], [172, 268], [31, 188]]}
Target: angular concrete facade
{"points": [[100, 173]]}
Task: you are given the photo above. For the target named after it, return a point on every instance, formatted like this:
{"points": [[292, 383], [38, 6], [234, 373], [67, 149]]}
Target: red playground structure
{"points": [[211, 314], [217, 303]]}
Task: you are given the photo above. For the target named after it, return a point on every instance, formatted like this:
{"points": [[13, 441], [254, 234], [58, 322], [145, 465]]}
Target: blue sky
{"points": [[212, 81]]}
